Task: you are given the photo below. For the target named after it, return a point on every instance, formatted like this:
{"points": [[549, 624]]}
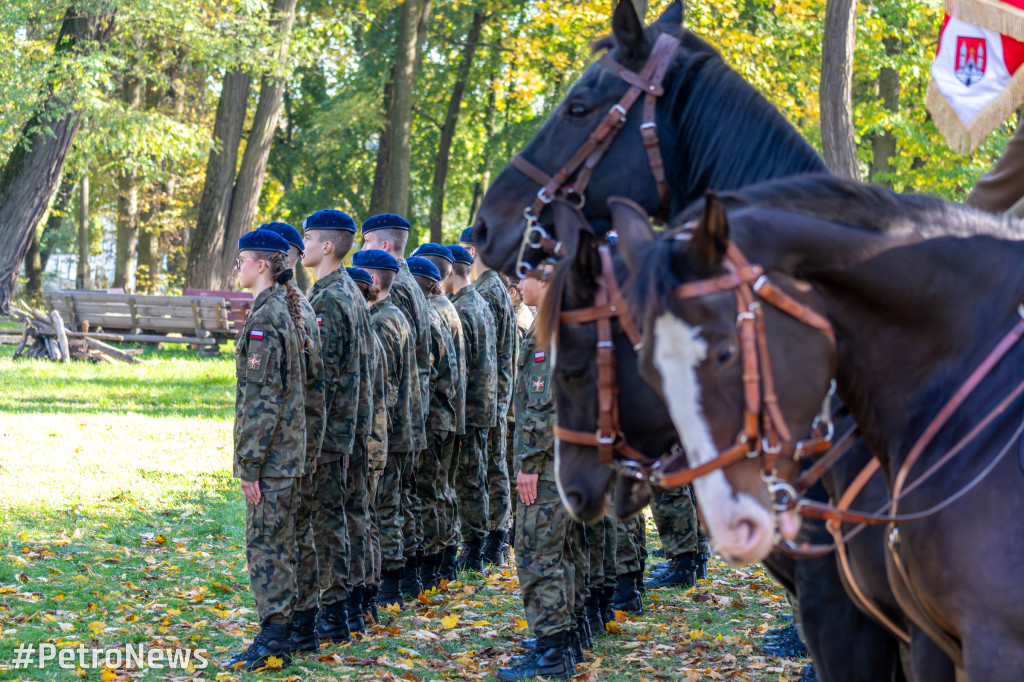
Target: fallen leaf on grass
{"points": [[450, 622]]}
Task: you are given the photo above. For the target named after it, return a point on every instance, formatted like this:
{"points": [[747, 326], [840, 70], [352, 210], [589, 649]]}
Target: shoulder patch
{"points": [[538, 385], [319, 321], [539, 356], [256, 334]]}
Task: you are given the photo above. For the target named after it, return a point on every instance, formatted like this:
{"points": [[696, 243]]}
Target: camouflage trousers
{"points": [[578, 556], [436, 498], [390, 514], [322, 569], [675, 516], [357, 515], [631, 544], [499, 510], [270, 549], [412, 506], [513, 467], [594, 536], [372, 564], [543, 554], [611, 559], [471, 483]]}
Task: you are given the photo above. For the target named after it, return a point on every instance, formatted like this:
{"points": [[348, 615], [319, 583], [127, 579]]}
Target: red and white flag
{"points": [[977, 80]]}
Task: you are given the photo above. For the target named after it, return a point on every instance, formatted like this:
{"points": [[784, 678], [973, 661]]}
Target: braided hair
{"points": [[370, 291], [277, 264]]}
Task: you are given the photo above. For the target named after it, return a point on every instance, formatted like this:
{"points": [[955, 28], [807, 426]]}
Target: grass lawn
{"points": [[120, 523]]}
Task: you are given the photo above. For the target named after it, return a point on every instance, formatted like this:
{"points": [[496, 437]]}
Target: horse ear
{"points": [[633, 224], [629, 32], [711, 236], [671, 20]]}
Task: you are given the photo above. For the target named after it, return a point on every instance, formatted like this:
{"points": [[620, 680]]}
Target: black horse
{"points": [[715, 131], [912, 317], [833, 625]]}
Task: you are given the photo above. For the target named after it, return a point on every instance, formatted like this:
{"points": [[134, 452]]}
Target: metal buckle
{"points": [[759, 282], [630, 469], [783, 495], [621, 110], [531, 224], [543, 195]]}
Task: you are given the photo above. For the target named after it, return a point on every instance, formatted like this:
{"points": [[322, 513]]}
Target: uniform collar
{"points": [[265, 295], [328, 279], [463, 291], [486, 274]]}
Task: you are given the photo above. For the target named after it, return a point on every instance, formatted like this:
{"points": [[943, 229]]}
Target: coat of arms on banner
{"points": [[970, 59]]}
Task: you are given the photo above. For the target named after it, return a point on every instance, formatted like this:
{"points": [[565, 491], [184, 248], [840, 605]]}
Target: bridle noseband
{"points": [[583, 163]]}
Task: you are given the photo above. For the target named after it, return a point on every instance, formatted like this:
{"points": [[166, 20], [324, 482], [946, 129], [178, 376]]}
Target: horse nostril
{"points": [[573, 501]]}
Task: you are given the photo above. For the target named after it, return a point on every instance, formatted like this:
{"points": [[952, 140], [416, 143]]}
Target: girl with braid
{"points": [[270, 439]]}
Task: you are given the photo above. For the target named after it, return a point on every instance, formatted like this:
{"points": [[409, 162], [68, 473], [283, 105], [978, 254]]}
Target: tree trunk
{"points": [[883, 143], [82, 277], [211, 254], [34, 167], [448, 130], [836, 92], [127, 200], [412, 20], [39, 254], [215, 200], [379, 193], [483, 180], [33, 268]]}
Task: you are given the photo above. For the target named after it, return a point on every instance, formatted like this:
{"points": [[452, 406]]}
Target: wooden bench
{"points": [[239, 303], [146, 318]]}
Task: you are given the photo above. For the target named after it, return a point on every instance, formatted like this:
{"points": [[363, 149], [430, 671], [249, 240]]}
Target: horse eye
{"points": [[573, 376], [577, 110], [725, 353]]}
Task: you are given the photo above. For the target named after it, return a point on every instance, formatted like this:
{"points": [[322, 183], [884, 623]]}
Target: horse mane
{"points": [[868, 208], [710, 104]]}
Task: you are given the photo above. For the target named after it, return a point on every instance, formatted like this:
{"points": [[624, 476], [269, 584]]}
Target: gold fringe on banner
{"points": [[964, 139], [991, 14]]}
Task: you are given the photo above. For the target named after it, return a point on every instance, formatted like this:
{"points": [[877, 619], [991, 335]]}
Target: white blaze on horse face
{"points": [[740, 528]]}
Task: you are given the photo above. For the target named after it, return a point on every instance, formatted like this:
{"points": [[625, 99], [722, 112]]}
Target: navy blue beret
{"points": [[423, 268], [359, 275], [262, 240], [460, 255], [431, 249], [329, 219], [383, 221], [290, 234], [467, 237], [374, 259]]}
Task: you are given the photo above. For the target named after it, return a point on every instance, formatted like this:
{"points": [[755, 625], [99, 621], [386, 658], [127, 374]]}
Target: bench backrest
{"points": [[163, 314], [239, 302]]}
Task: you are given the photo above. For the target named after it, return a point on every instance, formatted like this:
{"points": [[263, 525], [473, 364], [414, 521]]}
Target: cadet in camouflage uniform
{"points": [[524, 320], [481, 408], [631, 554], [397, 485], [687, 552], [269, 438], [442, 259], [389, 232], [543, 540], [307, 573], [442, 424], [340, 520], [492, 289], [376, 443]]}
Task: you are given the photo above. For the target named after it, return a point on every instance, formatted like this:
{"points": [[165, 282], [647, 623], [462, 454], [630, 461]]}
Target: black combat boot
{"points": [[390, 588], [627, 597], [448, 568], [354, 606], [607, 610], [783, 642], [575, 646], [470, 557], [586, 636], [332, 623], [701, 568], [411, 585], [429, 577], [302, 633], [681, 572], [492, 552], [550, 660], [594, 618], [272, 640], [506, 546], [370, 606]]}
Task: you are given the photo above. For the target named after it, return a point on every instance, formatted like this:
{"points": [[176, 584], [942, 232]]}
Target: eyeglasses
{"points": [[239, 261]]}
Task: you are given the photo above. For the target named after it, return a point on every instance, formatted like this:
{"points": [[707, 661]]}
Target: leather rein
{"points": [[648, 82]]}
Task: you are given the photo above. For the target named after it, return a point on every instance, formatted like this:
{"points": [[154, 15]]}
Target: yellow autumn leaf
{"points": [[450, 622], [620, 616], [613, 627], [480, 623], [96, 625], [521, 624], [272, 663], [107, 675]]}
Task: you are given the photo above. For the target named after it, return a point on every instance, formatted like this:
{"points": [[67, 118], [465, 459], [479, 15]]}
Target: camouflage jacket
{"points": [[316, 383], [406, 433], [377, 439], [492, 289], [444, 374], [270, 412], [450, 318], [407, 295], [481, 360], [346, 360], [534, 440]]}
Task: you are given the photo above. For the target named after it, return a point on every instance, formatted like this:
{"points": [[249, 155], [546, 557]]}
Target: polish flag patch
{"points": [[256, 334], [319, 321], [539, 356]]}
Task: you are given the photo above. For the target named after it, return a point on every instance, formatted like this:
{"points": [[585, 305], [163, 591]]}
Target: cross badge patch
{"points": [[254, 361], [538, 384]]}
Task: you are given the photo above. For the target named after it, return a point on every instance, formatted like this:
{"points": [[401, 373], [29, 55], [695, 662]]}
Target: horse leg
{"points": [[992, 651], [928, 662]]}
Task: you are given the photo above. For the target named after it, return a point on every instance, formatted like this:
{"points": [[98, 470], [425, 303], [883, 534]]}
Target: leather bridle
{"points": [[648, 82]]}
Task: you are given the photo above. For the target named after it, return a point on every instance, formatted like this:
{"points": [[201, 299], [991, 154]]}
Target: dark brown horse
{"points": [[833, 625], [912, 317]]}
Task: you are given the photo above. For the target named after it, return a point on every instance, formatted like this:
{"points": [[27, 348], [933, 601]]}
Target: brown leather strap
{"points": [[778, 299], [812, 475], [676, 479], [618, 304]]}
